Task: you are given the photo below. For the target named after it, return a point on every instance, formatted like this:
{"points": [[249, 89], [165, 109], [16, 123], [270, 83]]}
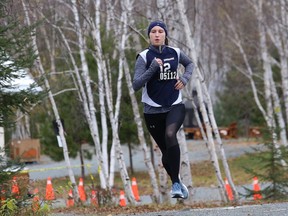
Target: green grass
{"points": [[203, 173]]}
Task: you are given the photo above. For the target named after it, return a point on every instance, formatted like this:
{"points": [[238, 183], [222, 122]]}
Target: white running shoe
{"points": [[176, 191], [184, 190]]}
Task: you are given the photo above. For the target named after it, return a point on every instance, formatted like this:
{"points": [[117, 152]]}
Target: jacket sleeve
{"points": [[141, 74], [189, 67]]}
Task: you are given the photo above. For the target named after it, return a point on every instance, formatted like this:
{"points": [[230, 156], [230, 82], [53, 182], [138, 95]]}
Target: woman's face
{"points": [[157, 36]]}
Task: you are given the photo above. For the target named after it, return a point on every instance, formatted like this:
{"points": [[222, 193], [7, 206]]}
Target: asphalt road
{"points": [[280, 209], [277, 209]]}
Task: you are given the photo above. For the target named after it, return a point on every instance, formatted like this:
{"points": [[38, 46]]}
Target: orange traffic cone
{"points": [[94, 200], [70, 201], [15, 189], [135, 189], [228, 190], [49, 190], [256, 187], [122, 201], [81, 190], [35, 203]]}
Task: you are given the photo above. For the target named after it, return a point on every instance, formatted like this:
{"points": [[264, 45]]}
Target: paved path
{"points": [[254, 210], [278, 209]]}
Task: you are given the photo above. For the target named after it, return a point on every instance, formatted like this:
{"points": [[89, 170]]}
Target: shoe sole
{"points": [[177, 196]]}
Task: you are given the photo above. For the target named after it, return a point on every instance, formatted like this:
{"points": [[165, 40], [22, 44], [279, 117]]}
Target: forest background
{"points": [[85, 53]]}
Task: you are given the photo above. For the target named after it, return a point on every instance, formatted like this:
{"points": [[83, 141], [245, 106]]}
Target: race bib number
{"points": [[166, 73]]}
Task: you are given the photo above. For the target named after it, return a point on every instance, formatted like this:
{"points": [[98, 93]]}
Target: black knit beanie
{"points": [[157, 23]]}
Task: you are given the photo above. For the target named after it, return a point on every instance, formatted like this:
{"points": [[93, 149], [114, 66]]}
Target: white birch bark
{"points": [[169, 14], [22, 126], [135, 108], [269, 85], [41, 70], [163, 177], [126, 7], [112, 116], [249, 74], [283, 50], [275, 32], [95, 25], [121, 35], [111, 168], [185, 168], [268, 112], [82, 97], [284, 55], [200, 86], [266, 66], [270, 91], [198, 25], [101, 93], [208, 128], [141, 137], [50, 48], [92, 110], [221, 147], [116, 141], [161, 9]]}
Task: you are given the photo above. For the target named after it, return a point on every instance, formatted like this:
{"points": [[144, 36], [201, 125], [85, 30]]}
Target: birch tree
{"points": [[163, 177], [92, 110], [272, 103], [41, 70], [83, 98], [167, 11], [277, 33], [117, 18], [102, 68], [128, 8], [271, 96], [209, 122], [22, 126]]}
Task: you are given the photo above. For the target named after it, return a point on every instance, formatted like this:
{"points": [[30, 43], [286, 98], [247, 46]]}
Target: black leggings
{"points": [[163, 128]]}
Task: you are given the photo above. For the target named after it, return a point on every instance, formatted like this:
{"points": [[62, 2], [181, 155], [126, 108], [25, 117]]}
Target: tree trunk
{"points": [[275, 32], [185, 170], [92, 109], [200, 86], [140, 131], [41, 70], [269, 86], [141, 137], [131, 158], [163, 177], [82, 162]]}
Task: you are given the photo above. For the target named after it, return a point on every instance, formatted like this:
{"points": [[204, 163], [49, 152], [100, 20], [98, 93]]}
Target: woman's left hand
{"points": [[179, 85]]}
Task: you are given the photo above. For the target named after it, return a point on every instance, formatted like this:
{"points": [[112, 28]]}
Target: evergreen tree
{"points": [[270, 170], [15, 56]]}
